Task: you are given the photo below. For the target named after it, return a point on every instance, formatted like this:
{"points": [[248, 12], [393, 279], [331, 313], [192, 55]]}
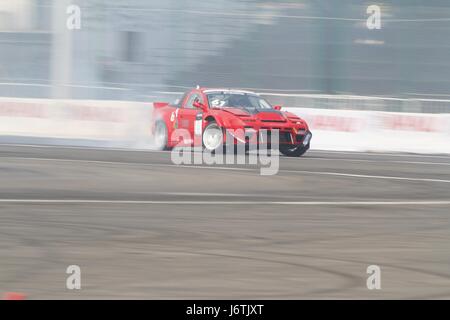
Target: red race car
{"points": [[207, 115]]}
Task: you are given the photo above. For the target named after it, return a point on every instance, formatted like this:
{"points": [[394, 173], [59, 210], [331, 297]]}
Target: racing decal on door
{"points": [[198, 126], [174, 118]]}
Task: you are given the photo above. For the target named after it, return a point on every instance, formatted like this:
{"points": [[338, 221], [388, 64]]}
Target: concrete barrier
{"points": [[127, 124], [116, 123], [348, 130]]}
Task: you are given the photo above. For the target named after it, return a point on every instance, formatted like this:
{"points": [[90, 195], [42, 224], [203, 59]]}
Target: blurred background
{"points": [[309, 231], [299, 52]]}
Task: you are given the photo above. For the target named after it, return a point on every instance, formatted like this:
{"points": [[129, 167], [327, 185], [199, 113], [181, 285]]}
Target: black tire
{"points": [[293, 150], [161, 141]]}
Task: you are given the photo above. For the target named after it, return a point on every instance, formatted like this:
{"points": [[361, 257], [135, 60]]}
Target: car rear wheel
{"points": [[160, 136], [212, 137]]}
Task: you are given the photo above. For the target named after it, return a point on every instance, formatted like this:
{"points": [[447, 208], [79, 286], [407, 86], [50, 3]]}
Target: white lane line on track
{"points": [[375, 154], [310, 203], [369, 161], [340, 174], [366, 176], [283, 158], [44, 146], [130, 163], [421, 162]]}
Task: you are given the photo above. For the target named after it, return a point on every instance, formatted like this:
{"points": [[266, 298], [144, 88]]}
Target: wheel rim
{"points": [[160, 136], [212, 137]]}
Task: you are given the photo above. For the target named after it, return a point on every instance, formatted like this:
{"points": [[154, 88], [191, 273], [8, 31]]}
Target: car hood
{"points": [[265, 116]]}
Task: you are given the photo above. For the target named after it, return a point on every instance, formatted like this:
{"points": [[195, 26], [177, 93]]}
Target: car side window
{"points": [[194, 97], [179, 102]]}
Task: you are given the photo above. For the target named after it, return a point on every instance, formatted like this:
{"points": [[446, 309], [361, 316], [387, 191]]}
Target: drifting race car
{"points": [[209, 114]]}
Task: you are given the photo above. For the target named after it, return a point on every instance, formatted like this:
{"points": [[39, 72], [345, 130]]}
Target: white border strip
{"points": [[341, 174]]}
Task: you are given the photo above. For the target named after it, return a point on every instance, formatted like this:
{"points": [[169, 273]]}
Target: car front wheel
{"points": [[294, 150], [212, 137]]}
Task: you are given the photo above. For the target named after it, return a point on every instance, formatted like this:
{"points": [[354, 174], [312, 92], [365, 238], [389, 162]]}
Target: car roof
{"points": [[227, 90]]}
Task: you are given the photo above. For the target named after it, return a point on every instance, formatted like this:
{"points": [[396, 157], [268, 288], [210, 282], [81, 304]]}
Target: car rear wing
{"points": [[158, 105]]}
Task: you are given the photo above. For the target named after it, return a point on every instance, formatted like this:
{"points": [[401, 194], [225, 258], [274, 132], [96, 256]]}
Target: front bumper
{"points": [[292, 137], [286, 136]]}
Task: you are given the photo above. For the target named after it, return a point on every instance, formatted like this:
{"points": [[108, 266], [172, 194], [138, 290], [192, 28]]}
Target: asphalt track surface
{"points": [[141, 227]]}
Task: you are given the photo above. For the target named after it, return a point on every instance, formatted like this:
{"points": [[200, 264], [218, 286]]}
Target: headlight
{"points": [[307, 139]]}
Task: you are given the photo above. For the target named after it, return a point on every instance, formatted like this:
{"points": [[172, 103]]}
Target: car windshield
{"points": [[237, 100]]}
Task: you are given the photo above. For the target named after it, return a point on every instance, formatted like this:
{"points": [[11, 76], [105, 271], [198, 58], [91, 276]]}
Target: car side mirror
{"points": [[277, 107], [199, 105]]}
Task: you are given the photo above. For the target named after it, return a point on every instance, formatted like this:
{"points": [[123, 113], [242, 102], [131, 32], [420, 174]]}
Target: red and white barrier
{"points": [[128, 124], [108, 121], [348, 130]]}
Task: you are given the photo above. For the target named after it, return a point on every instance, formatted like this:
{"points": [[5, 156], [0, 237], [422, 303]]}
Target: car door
{"points": [[188, 113]]}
